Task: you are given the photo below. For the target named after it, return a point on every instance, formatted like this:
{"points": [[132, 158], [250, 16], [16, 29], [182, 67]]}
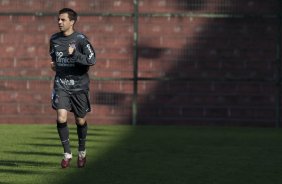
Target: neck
{"points": [[68, 32]]}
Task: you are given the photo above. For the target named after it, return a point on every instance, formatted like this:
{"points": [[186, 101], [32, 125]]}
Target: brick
{"points": [[26, 119], [25, 85], [112, 86], [18, 72], [113, 6], [25, 97], [28, 109], [9, 108], [205, 50], [251, 112]]}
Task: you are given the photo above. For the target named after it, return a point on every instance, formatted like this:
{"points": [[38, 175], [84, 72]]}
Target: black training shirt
{"points": [[71, 70]]}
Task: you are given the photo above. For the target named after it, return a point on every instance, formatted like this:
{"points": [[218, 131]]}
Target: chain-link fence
{"points": [[158, 62]]}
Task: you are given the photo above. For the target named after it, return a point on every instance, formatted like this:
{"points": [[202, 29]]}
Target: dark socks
{"points": [[81, 133], [63, 131]]}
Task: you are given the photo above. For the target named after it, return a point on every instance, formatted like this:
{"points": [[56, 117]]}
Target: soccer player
{"points": [[72, 55]]}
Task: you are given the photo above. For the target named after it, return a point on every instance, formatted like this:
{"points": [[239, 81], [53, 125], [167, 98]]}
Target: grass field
{"points": [[144, 155]]}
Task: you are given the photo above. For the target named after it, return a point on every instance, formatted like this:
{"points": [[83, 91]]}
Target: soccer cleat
{"points": [[66, 160], [81, 159]]}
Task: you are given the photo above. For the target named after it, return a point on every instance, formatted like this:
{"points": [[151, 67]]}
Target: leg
{"points": [[60, 102], [62, 115], [81, 132], [63, 129], [80, 106]]}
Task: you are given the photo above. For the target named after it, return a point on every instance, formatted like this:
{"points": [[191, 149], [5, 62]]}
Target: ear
{"points": [[72, 22]]}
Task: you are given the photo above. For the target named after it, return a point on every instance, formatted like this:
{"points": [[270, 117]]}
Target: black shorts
{"points": [[77, 103]]}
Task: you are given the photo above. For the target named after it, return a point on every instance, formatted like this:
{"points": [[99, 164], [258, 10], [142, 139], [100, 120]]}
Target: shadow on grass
{"points": [[135, 158], [42, 145], [5, 182], [19, 171], [55, 139], [38, 153], [164, 155], [175, 155], [14, 163], [72, 128]]}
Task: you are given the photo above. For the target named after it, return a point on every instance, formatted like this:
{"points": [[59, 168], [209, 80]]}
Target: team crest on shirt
{"points": [[72, 44]]}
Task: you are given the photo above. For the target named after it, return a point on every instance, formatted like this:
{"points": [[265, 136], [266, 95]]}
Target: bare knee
{"points": [[61, 116], [80, 121]]}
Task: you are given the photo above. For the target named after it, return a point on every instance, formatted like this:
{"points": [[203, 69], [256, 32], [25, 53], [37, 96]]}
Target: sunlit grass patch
{"points": [[143, 154]]}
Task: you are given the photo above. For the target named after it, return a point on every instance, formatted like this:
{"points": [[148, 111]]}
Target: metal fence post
{"points": [[278, 62], [135, 65]]}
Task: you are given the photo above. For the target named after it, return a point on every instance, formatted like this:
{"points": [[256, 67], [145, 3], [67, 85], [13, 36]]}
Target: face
{"points": [[64, 23]]}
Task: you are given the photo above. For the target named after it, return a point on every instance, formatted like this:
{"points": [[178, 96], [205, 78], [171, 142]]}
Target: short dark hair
{"points": [[71, 13]]}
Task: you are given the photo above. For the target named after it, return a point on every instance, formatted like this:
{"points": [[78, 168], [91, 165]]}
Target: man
{"points": [[72, 55]]}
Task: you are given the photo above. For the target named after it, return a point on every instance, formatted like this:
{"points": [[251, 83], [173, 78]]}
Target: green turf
{"points": [[144, 155]]}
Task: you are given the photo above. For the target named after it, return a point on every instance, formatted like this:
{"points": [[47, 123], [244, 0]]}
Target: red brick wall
{"points": [[226, 65]]}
